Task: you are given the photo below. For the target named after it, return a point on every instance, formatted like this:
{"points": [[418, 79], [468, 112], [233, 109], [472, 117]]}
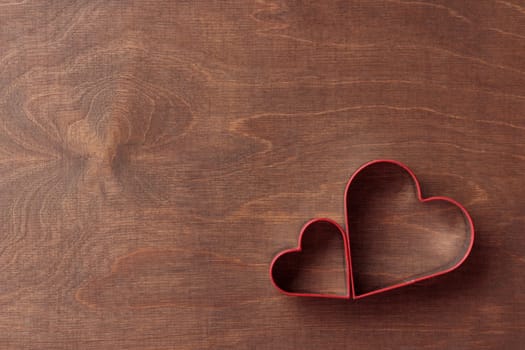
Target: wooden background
{"points": [[155, 155]]}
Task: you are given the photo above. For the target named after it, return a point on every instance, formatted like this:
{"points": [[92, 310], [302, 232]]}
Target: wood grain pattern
{"points": [[155, 155]]}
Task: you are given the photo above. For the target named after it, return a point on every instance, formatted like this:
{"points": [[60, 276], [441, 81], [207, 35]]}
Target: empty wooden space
{"points": [[156, 155]]}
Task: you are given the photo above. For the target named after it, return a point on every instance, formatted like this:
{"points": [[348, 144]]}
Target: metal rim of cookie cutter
{"points": [[350, 283]]}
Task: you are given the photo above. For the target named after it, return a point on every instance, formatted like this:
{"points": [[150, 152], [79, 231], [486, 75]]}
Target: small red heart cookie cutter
{"points": [[350, 290]]}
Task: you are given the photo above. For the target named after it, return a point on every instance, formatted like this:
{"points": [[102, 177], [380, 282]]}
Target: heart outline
{"points": [[299, 249], [422, 200], [350, 283]]}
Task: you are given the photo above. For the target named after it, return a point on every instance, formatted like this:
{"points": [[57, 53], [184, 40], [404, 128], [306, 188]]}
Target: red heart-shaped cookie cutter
{"points": [[375, 178]]}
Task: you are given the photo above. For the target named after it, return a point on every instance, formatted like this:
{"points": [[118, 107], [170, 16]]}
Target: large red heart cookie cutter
{"points": [[369, 260]]}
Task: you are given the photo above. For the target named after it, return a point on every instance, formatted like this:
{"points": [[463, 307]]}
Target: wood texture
{"points": [[155, 155]]}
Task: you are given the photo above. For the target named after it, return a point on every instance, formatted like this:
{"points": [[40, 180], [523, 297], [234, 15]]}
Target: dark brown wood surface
{"points": [[156, 155]]}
